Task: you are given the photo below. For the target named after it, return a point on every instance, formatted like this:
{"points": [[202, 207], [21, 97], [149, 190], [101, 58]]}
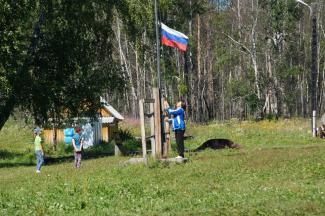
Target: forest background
{"points": [[246, 58]]}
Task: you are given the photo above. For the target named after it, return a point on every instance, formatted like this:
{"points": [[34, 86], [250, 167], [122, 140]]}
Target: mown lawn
{"points": [[280, 171]]}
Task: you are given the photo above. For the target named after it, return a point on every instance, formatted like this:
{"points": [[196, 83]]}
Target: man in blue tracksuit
{"points": [[178, 125]]}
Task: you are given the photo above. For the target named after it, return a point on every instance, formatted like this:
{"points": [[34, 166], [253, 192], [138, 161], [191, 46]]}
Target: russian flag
{"points": [[173, 38]]}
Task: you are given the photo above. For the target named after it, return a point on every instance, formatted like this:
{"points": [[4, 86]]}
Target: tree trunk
{"points": [[198, 61], [254, 59], [6, 110], [210, 62]]}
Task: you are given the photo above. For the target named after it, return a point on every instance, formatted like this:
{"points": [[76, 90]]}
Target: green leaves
{"points": [[72, 64]]}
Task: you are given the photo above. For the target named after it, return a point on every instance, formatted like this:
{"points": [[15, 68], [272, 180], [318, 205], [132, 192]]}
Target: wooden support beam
{"points": [[149, 115], [143, 131], [152, 131], [149, 100], [166, 132], [149, 137], [156, 96], [117, 151]]}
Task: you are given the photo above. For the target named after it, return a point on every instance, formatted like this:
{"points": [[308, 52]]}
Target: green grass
{"points": [[264, 134], [17, 148], [280, 171]]}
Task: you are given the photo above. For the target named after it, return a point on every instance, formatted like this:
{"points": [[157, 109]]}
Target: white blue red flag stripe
{"points": [[173, 38]]}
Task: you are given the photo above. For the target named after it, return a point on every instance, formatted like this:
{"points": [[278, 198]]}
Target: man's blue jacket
{"points": [[178, 118]]}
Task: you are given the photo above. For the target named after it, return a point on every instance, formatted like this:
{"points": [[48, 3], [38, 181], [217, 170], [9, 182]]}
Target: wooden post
{"points": [[152, 130], [55, 134], [156, 96], [167, 145], [143, 132], [117, 151], [114, 135]]}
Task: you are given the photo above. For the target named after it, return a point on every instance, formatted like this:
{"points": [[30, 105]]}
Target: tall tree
{"points": [[70, 65], [20, 23]]}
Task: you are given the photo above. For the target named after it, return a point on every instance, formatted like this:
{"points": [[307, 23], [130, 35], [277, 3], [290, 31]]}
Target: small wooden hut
{"points": [[110, 118], [101, 130]]}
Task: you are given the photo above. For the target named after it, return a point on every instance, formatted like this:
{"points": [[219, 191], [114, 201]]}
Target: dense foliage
{"points": [[56, 58], [246, 58]]}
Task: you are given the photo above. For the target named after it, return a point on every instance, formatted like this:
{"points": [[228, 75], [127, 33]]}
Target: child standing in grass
{"points": [[39, 150], [77, 143]]}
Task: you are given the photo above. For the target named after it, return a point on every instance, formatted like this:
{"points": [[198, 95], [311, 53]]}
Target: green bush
{"points": [[124, 134], [132, 145], [68, 148], [61, 149], [103, 148], [27, 158]]}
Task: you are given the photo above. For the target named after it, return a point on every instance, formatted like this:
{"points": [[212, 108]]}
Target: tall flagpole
{"points": [[160, 138], [158, 44]]}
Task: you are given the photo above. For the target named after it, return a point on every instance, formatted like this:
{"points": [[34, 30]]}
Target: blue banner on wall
{"points": [[68, 134]]}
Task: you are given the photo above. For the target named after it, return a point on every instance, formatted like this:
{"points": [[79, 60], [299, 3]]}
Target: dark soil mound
{"points": [[218, 144]]}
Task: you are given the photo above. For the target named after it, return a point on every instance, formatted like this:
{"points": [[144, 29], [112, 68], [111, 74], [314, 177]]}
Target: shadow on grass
{"points": [[49, 160], [70, 158], [4, 154], [15, 164]]}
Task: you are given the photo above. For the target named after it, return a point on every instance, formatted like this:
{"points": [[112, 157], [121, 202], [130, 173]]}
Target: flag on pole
{"points": [[171, 37]]}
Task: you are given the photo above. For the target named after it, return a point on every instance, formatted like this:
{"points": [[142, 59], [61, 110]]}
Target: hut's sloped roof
{"points": [[108, 120], [111, 109]]}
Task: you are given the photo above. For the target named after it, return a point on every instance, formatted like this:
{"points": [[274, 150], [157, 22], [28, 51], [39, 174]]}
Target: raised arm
{"points": [[73, 143], [81, 142], [42, 145], [166, 104], [177, 111]]}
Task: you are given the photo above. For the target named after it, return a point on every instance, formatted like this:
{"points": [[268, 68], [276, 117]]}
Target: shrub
{"points": [[103, 148], [125, 135], [132, 146]]}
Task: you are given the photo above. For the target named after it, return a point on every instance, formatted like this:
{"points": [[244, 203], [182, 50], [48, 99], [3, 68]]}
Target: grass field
{"points": [[280, 171]]}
